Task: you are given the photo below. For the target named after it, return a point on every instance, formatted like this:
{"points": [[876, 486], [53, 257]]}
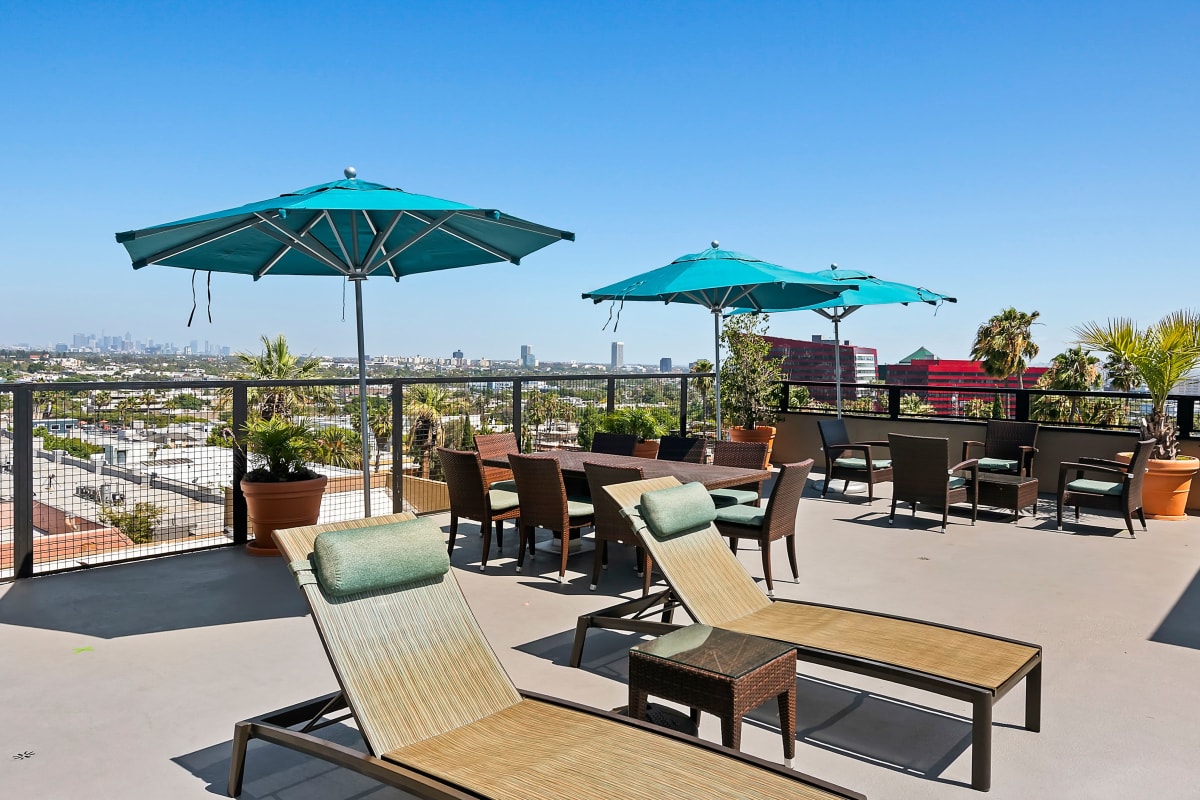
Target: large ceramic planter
{"points": [[272, 506], [759, 433], [1166, 486], [647, 448]]}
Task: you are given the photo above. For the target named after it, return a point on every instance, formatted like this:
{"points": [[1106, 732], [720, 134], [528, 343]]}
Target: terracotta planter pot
{"points": [[759, 433], [1166, 486], [271, 506], [646, 449]]}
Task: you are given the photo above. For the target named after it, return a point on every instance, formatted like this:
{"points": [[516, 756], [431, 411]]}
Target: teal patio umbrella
{"points": [[722, 280], [868, 291], [348, 228]]}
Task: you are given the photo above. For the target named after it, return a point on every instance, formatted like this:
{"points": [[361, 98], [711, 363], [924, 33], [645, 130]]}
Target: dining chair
{"points": [[841, 460], [544, 504], [922, 475], [766, 525], [497, 445], [747, 455], [472, 498], [610, 525], [617, 444], [681, 448], [1113, 484]]}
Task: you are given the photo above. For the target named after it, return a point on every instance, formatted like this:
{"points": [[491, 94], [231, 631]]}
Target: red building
{"points": [[923, 368], [814, 361]]}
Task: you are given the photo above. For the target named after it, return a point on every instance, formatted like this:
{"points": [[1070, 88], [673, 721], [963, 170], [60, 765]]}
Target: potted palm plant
{"points": [[749, 378], [639, 422], [282, 491], [1161, 355]]}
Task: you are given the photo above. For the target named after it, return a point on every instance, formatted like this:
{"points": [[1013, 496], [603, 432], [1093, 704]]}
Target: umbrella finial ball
{"points": [[350, 172], [715, 244]]}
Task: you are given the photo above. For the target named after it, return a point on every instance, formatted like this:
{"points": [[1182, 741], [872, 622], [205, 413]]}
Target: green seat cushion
{"points": [[956, 482], [997, 464], [732, 497], [379, 557], [503, 500], [861, 463], [579, 508], [1095, 487], [678, 510], [750, 516], [504, 486]]}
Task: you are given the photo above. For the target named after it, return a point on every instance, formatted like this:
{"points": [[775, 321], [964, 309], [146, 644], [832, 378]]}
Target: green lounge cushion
{"points": [[380, 557], [1095, 487], [997, 464], [678, 510], [732, 497], [502, 500], [956, 482], [504, 486], [750, 516], [861, 463]]}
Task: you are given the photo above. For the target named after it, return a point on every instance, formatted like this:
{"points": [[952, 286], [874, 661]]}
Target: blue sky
{"points": [[1041, 155]]}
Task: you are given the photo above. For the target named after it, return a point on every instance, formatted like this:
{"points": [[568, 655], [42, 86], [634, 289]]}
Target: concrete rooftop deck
{"points": [[125, 681]]}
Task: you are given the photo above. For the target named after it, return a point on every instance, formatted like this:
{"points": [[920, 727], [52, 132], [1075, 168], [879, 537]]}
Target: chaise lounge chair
{"points": [[713, 587], [439, 716]]}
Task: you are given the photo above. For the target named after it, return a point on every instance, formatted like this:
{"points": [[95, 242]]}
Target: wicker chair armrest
{"points": [[1028, 449], [969, 465], [1118, 471], [967, 445], [874, 444], [1104, 462]]}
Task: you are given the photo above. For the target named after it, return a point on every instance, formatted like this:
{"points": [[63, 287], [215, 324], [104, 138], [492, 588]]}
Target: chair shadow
{"points": [[278, 773], [1181, 625], [186, 590]]}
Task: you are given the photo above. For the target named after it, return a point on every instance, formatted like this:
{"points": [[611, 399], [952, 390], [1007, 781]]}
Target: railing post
{"points": [[1185, 414], [240, 408], [785, 395], [894, 402], [517, 390], [397, 447], [683, 405], [22, 468], [611, 403], [1021, 409]]}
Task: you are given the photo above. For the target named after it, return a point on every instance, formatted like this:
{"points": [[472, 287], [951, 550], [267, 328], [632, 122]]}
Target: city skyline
{"points": [[1037, 156]]}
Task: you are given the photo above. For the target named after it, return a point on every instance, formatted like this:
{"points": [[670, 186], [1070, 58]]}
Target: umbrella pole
{"points": [[716, 312], [364, 430], [837, 364]]}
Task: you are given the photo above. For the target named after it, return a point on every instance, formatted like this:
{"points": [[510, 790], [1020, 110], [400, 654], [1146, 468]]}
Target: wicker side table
{"points": [[724, 673]]}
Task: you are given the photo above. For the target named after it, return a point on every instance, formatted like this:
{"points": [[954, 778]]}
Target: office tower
{"points": [[618, 354], [664, 365]]}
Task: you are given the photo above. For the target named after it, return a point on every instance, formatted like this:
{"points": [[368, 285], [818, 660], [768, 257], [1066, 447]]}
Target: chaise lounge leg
{"points": [[981, 742], [1033, 699], [237, 763]]}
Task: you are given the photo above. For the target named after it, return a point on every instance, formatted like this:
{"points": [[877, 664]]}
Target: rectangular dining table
{"points": [[712, 476]]}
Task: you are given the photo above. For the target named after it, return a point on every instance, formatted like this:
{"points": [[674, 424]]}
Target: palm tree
{"points": [[426, 404], [1004, 344], [338, 447], [1074, 370], [703, 386], [278, 363], [101, 399]]}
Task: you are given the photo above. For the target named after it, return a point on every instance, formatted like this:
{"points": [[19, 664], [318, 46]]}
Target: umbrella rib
{"points": [[471, 240], [193, 244], [309, 246], [431, 226], [283, 251], [336, 234], [381, 239], [519, 224]]}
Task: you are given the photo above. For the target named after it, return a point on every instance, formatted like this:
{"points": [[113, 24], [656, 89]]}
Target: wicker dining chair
{"points": [[544, 504], [681, 448], [610, 525], [617, 444], [1113, 485], [921, 476], [766, 525], [851, 461], [438, 715], [1008, 447], [748, 455], [497, 445], [472, 498]]}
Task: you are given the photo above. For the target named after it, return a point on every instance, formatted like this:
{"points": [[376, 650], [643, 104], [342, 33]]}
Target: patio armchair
{"points": [[544, 504], [440, 718], [1008, 447], [497, 445], [711, 585], [748, 455], [766, 525], [1113, 485], [471, 497], [922, 476], [681, 448], [610, 525], [617, 444], [852, 461]]}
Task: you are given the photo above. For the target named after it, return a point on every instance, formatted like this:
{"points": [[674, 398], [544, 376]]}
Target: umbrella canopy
{"points": [[349, 228], [868, 291], [720, 280]]}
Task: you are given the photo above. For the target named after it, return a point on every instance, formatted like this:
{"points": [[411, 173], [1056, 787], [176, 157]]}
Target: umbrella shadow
{"points": [[192, 590], [1181, 625]]}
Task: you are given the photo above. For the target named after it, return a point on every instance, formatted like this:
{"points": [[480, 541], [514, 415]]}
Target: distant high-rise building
{"points": [[528, 359], [664, 365], [814, 361], [618, 354]]}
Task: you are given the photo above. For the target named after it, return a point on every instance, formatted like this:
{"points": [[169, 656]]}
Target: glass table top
{"points": [[714, 650]]}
